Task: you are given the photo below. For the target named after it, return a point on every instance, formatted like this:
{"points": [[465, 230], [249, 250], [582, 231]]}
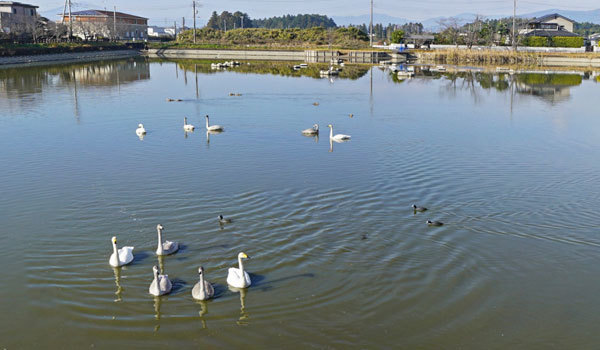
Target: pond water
{"points": [[509, 162]]}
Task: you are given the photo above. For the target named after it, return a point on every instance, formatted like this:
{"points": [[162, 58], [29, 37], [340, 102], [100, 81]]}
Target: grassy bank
{"points": [[9, 50], [458, 56], [261, 38]]}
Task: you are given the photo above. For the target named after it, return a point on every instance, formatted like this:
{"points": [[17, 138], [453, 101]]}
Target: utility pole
{"points": [[64, 12], [514, 38], [115, 21], [175, 29], [242, 21], [70, 22], [371, 26], [182, 24], [194, 6]]}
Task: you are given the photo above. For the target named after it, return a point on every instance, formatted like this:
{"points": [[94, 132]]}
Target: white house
{"points": [[17, 17]]}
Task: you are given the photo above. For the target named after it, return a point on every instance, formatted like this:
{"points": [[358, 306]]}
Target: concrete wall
{"points": [[229, 54], [509, 48]]}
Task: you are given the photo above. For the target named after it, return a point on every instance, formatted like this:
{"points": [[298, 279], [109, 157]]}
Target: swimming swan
{"points": [[160, 285], [140, 130], [237, 277], [202, 290], [186, 126], [311, 131], [213, 127], [338, 137], [166, 247], [120, 257]]}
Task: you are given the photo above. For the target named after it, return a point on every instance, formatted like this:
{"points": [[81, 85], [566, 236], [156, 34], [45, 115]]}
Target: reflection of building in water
{"points": [[553, 88], [113, 73]]}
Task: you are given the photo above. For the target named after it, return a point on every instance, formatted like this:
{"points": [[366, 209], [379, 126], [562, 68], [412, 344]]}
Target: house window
{"points": [[32, 12], [15, 11]]}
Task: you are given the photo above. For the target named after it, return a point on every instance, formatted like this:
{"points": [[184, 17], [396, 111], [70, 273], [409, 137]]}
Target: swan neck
{"points": [[159, 238], [115, 250], [207, 122], [202, 283], [241, 264], [331, 132]]}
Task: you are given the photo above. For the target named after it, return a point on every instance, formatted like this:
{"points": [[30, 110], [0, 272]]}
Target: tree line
{"points": [[227, 21]]}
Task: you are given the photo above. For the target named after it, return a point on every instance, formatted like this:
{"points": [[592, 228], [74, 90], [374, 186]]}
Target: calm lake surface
{"points": [[339, 260]]}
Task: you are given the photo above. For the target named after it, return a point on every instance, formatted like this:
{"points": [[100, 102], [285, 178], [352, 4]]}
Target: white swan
{"points": [[202, 290], [311, 131], [166, 247], [120, 257], [140, 130], [186, 126], [338, 137], [160, 284], [237, 277], [213, 127]]}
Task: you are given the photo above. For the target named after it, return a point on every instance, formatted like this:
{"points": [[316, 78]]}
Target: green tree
{"points": [[397, 36]]}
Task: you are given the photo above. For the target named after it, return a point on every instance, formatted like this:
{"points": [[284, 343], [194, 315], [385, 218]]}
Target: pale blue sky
{"points": [[163, 11]]}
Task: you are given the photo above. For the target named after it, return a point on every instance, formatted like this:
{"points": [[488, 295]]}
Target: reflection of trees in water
{"points": [[551, 87], [272, 67], [15, 82]]}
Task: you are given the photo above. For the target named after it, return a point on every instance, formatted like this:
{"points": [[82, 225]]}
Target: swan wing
{"points": [[125, 255], [210, 291], [164, 284], [196, 292], [170, 247], [153, 289]]}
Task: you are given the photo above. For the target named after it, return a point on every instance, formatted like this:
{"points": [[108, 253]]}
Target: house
{"points": [[95, 24], [549, 26], [594, 39], [164, 32], [16, 17]]}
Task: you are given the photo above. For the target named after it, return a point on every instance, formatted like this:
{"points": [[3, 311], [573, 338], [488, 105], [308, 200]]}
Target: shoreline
{"points": [[461, 57], [60, 58]]}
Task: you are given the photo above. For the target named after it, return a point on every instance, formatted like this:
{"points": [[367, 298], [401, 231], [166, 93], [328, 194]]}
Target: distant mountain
{"points": [[377, 18], [592, 16], [53, 14], [432, 24]]}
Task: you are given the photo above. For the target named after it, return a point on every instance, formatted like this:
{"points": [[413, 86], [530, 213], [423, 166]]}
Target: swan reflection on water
{"points": [[315, 137], [203, 311], [117, 272], [244, 316], [157, 304], [209, 132]]}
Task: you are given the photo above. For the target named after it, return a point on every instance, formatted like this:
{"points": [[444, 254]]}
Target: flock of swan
{"points": [[314, 131], [161, 284]]}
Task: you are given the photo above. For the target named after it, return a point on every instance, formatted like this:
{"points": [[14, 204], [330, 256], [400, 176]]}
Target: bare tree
{"points": [[473, 31], [450, 29]]}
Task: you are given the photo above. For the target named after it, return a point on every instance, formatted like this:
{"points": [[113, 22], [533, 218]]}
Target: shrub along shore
{"points": [[461, 56], [12, 50]]}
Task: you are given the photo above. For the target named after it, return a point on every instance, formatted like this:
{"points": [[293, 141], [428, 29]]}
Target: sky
{"points": [[166, 11]]}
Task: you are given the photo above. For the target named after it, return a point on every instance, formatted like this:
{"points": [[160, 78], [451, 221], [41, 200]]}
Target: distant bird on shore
{"points": [[419, 209], [351, 115], [311, 131], [434, 223], [315, 103], [186, 126], [174, 100]]}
